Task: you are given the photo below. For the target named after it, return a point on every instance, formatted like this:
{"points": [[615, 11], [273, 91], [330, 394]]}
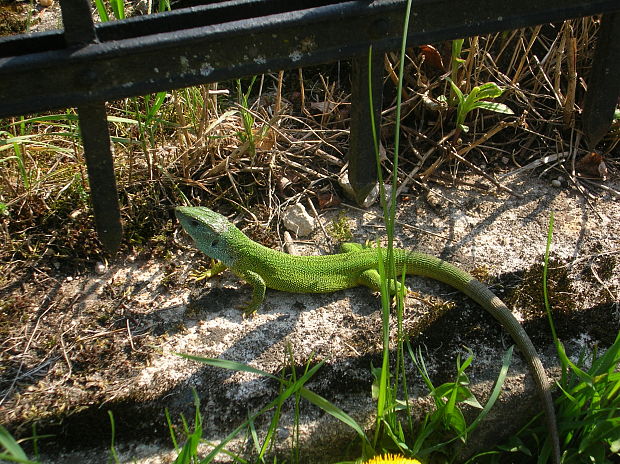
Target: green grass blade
{"points": [[230, 365], [113, 454], [290, 390], [607, 363], [15, 452], [173, 436], [499, 383], [160, 97], [118, 7], [334, 411], [164, 5], [103, 14]]}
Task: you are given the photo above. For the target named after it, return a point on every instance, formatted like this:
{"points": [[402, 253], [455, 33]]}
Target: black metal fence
{"points": [[87, 64]]}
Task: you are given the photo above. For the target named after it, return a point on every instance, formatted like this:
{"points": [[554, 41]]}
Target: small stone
{"points": [[556, 183], [100, 268], [297, 220], [46, 3], [282, 433]]}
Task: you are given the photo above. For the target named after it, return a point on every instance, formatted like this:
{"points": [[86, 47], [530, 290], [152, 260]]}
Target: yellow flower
{"points": [[391, 458]]}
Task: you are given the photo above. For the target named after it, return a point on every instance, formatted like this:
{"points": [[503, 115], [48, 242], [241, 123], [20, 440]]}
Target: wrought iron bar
{"points": [[187, 47], [362, 168]]}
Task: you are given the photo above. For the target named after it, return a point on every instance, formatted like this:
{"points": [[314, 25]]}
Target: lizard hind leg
{"points": [[372, 279]]}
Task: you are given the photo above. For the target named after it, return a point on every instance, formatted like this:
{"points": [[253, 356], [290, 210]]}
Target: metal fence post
{"points": [[362, 161], [79, 30], [604, 82]]}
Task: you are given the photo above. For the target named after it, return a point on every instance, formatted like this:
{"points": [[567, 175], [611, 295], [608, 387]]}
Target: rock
{"points": [[297, 220]]}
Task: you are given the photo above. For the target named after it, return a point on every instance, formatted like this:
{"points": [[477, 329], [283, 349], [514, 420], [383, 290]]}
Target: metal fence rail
{"points": [[87, 64]]}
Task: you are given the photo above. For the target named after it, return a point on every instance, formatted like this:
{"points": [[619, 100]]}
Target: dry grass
{"points": [[288, 140]]}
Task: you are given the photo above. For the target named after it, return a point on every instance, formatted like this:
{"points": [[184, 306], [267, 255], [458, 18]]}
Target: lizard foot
{"points": [[202, 274], [249, 309]]}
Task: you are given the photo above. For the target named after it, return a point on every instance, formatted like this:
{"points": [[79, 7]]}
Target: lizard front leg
{"points": [[258, 292], [217, 268]]}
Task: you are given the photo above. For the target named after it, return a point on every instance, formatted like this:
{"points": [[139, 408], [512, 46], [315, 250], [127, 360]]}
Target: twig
{"points": [[133, 348], [402, 224], [485, 175]]}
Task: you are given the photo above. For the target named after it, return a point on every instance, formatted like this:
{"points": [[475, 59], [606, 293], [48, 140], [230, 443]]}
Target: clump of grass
{"points": [[587, 414], [586, 407], [477, 98], [12, 20]]}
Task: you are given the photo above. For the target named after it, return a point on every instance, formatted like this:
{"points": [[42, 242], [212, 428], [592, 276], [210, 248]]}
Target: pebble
{"points": [[296, 219], [100, 268]]}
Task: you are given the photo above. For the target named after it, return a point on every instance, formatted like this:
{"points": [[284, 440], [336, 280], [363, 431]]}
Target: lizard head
{"points": [[209, 230]]}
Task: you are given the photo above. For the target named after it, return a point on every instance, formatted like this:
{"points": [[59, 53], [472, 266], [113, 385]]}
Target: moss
{"points": [[340, 229], [482, 273]]}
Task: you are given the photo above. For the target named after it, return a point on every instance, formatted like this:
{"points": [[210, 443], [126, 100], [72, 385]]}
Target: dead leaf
{"points": [[432, 56], [592, 164], [265, 141], [324, 107], [328, 200]]}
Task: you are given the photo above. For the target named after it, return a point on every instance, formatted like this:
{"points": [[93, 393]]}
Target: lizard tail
{"points": [[489, 301], [429, 266]]}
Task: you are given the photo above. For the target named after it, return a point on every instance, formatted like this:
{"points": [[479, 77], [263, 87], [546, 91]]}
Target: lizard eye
{"points": [[215, 242], [195, 223]]}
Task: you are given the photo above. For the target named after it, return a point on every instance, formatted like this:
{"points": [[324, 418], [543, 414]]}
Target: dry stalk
{"points": [[525, 54], [569, 103], [389, 67]]}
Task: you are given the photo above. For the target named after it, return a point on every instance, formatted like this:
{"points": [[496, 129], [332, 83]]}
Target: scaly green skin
{"points": [[263, 267]]}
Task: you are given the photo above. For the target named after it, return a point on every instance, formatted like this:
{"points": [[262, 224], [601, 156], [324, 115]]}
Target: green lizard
{"points": [[263, 267]]}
